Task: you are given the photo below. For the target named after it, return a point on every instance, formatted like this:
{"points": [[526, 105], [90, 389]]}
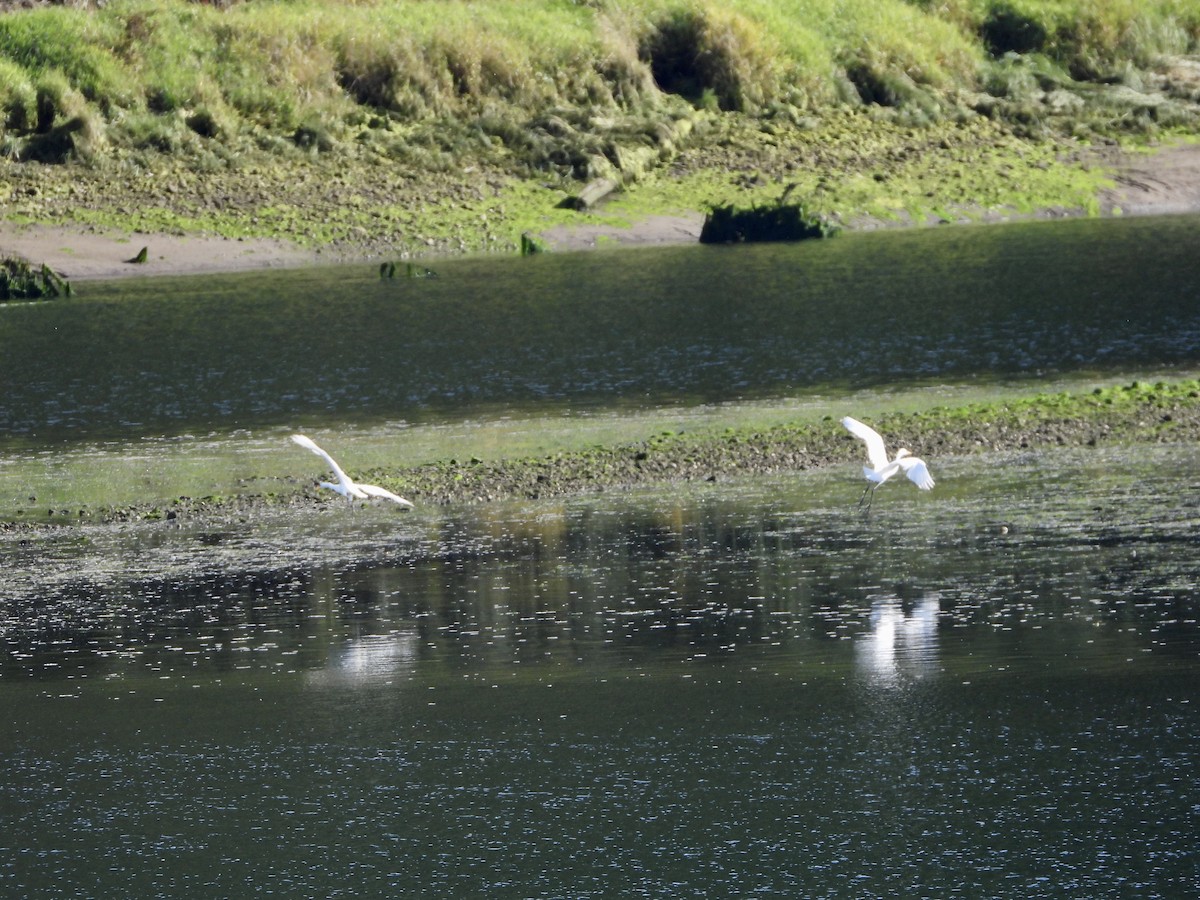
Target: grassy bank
{"points": [[548, 85], [448, 126]]}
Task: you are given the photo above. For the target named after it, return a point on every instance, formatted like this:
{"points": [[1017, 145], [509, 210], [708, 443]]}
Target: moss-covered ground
{"points": [[849, 169]]}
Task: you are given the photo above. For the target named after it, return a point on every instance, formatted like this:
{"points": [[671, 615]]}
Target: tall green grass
{"points": [[1091, 38], [547, 83]]}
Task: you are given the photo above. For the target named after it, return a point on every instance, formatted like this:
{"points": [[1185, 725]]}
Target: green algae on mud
{"points": [[847, 166], [1159, 412], [856, 169], [1131, 413]]}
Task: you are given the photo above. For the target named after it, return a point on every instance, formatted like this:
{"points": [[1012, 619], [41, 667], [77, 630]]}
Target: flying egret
{"points": [[881, 469], [351, 490]]}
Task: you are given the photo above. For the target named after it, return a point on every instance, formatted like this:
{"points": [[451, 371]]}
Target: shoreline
{"points": [[1165, 181]]}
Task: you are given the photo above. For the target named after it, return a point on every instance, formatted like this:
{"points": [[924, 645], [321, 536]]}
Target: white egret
{"points": [[881, 469], [351, 490]]}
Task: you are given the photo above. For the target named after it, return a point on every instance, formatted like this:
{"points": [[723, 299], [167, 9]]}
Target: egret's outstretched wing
{"points": [[917, 472], [382, 493], [308, 444], [876, 452]]}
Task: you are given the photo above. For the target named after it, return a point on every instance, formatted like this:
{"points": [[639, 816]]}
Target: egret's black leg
{"points": [[864, 494]]}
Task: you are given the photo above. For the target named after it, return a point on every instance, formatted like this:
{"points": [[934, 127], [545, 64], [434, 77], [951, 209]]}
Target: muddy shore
{"points": [[1166, 181]]}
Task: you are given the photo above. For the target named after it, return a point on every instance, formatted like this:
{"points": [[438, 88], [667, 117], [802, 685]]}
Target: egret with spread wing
{"points": [[349, 489], [881, 469]]}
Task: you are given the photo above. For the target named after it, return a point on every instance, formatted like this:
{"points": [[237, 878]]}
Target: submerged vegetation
{"points": [[482, 106], [1159, 412]]}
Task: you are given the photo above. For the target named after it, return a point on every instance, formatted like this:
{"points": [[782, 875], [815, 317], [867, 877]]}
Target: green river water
{"points": [[742, 688]]}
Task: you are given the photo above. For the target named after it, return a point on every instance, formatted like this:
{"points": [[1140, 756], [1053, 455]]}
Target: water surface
{"points": [[601, 331], [740, 688]]}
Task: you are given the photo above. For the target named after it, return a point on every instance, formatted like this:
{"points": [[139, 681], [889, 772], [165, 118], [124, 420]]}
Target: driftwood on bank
{"points": [[593, 192]]}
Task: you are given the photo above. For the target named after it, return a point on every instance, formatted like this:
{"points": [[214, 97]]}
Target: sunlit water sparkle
{"points": [[740, 688]]}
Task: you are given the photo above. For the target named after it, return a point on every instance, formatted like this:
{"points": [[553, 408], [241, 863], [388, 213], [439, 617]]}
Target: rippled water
{"points": [[722, 689]]}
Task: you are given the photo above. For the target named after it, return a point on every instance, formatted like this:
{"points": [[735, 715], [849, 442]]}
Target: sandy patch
{"points": [[81, 253], [678, 229], [1159, 183]]}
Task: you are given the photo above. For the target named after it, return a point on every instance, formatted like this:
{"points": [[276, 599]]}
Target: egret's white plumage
{"points": [[349, 489], [881, 469]]}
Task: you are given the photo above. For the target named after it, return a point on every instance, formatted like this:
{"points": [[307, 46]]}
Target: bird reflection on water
{"points": [[370, 658], [902, 641]]}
